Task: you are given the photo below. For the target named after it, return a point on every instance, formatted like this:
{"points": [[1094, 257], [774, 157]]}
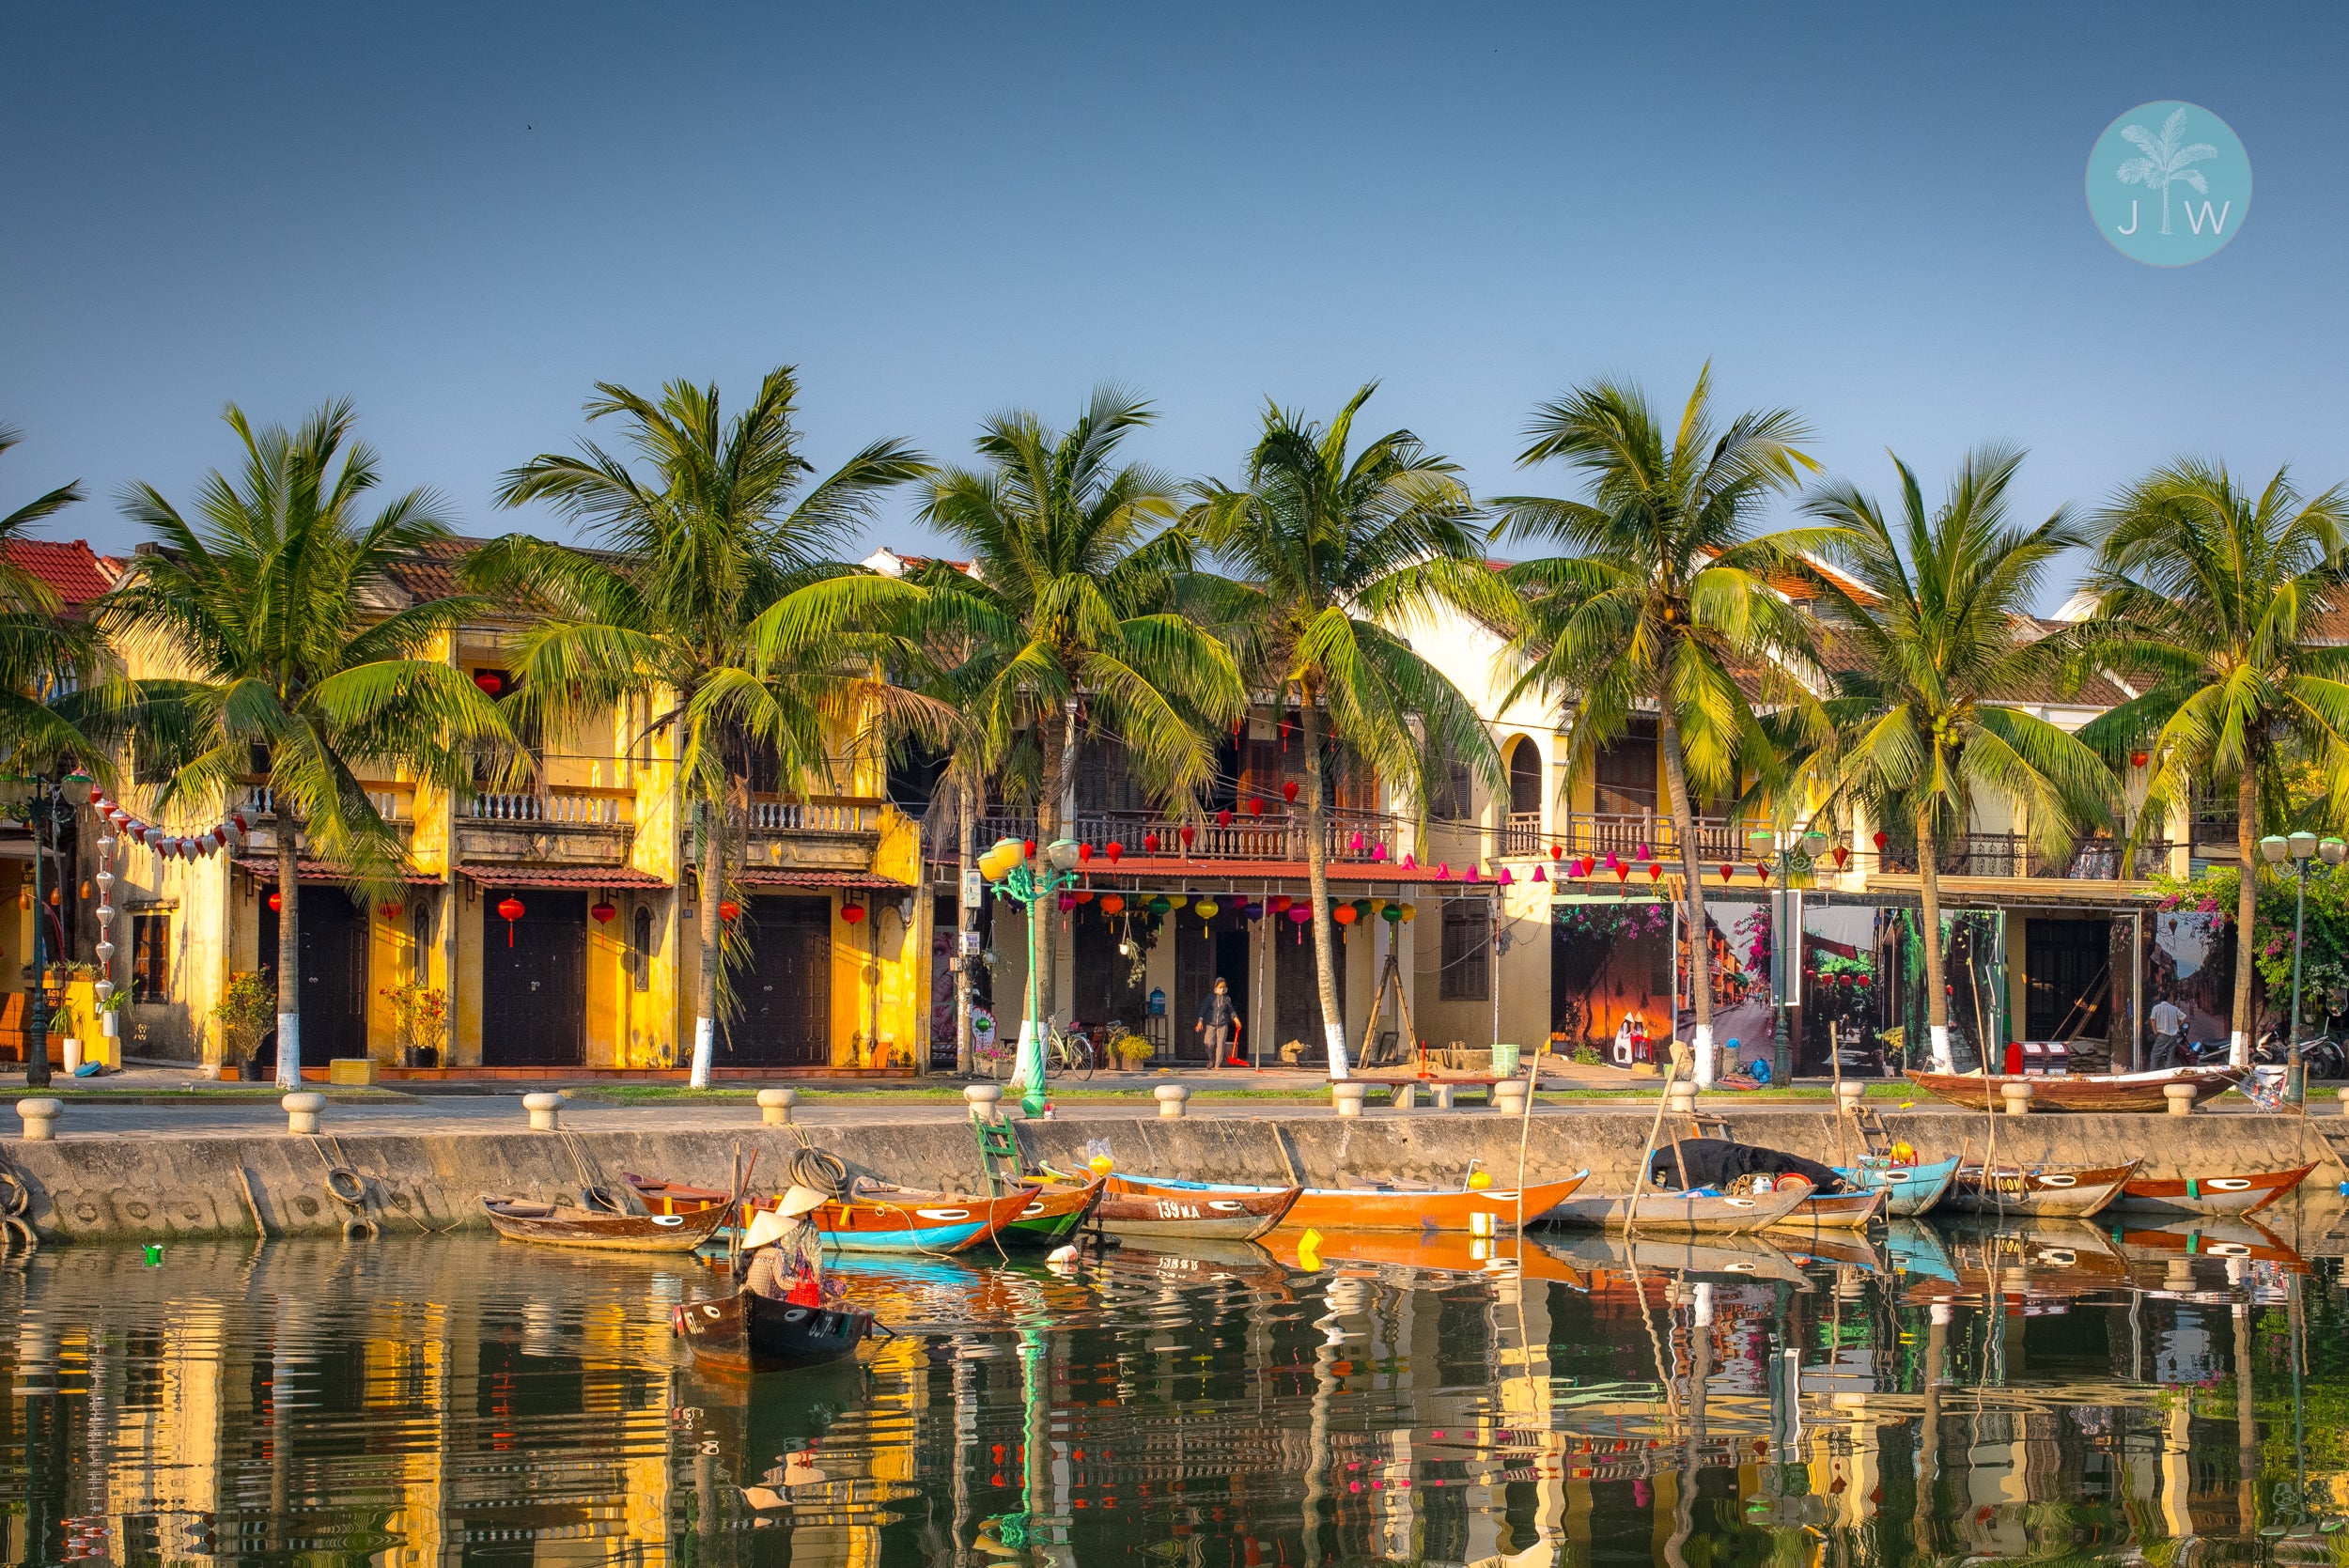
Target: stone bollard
{"points": [[2181, 1098], [2344, 1095], [1348, 1097], [1847, 1098], [982, 1098], [2017, 1098], [1509, 1096], [1171, 1098], [1406, 1097], [302, 1111], [543, 1108], [40, 1119], [774, 1106], [1680, 1097]]}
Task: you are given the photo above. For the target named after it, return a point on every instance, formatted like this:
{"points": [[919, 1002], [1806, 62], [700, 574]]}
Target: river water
{"points": [[2069, 1395]]}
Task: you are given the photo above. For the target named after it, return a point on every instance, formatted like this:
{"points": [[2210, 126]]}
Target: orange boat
{"points": [[1388, 1207], [1439, 1251], [881, 1219], [2246, 1192]]}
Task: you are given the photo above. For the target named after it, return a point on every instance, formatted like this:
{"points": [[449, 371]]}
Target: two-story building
{"points": [[557, 921]]}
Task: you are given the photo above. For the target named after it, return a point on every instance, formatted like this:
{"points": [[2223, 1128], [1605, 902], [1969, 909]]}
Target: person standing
{"points": [[1219, 1024], [2169, 1021]]}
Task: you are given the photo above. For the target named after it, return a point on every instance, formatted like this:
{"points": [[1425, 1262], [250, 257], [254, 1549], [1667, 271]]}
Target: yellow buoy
{"points": [[1479, 1180], [1100, 1165]]}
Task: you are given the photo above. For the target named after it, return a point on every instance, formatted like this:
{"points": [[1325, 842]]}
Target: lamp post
{"points": [[1788, 844], [1022, 882], [2301, 847]]}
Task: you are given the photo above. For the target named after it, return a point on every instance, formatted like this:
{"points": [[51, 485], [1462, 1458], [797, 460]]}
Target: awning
{"points": [[323, 871], [1175, 869], [795, 876], [560, 876]]}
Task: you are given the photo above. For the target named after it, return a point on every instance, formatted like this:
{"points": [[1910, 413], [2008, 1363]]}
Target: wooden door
{"points": [[786, 988], [2066, 970], [334, 942], [1296, 993], [534, 980]]}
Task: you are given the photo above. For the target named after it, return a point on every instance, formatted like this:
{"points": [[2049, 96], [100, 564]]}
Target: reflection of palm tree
{"points": [[2165, 160]]}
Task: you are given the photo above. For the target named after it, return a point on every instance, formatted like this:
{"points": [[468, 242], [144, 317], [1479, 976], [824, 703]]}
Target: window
{"points": [[1453, 792], [640, 951], [1467, 948], [150, 957]]}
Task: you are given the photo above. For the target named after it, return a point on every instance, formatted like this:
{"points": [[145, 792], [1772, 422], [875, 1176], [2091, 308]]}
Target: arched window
{"points": [[639, 948], [1524, 830]]}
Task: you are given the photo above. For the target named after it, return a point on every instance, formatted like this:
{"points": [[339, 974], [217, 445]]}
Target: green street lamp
{"points": [[2301, 847], [1033, 887]]}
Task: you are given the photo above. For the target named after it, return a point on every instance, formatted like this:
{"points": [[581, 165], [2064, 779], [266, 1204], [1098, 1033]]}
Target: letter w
{"points": [[2196, 220]]}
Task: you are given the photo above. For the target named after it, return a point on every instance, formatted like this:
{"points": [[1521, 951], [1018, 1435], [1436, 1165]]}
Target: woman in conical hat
{"points": [[786, 1251]]}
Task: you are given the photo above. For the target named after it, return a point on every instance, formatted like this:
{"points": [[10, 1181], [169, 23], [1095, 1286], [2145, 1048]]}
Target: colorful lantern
{"points": [[1224, 817], [1113, 850], [1067, 902], [1842, 853], [1027, 847], [1206, 909], [1392, 914], [509, 911], [852, 914], [1083, 895], [276, 901], [728, 910], [1160, 905], [1186, 834], [602, 911], [1300, 914], [2137, 759], [1556, 850], [1255, 805], [1654, 871], [1727, 872], [1411, 913], [1112, 903], [1288, 790], [490, 681], [390, 913], [1084, 852], [1540, 875], [1343, 914], [1280, 903], [1378, 852], [1880, 840], [1150, 844], [1409, 861]]}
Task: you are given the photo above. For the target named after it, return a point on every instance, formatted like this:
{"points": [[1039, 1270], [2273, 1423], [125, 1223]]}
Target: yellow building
{"points": [[558, 920]]}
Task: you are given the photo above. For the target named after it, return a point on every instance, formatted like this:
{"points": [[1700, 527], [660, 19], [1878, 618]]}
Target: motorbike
{"points": [[2320, 1055]]}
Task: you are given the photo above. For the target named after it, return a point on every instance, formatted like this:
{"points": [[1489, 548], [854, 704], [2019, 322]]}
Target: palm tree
{"points": [[1061, 624], [714, 592], [1333, 554], [2212, 598], [1930, 619], [2165, 160], [1664, 596], [257, 599], [46, 657]]}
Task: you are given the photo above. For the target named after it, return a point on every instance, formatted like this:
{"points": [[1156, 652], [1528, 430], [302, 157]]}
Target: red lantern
{"points": [[1556, 850], [1027, 847], [1654, 873], [238, 818], [1113, 851], [2137, 759], [852, 914], [1083, 895], [1842, 853], [1727, 872], [1343, 914], [728, 910], [1188, 834], [1280, 903], [1881, 841], [602, 911], [509, 911], [1761, 869], [1112, 903], [56, 900], [1590, 864], [390, 913], [1864, 982], [276, 902], [1288, 790], [490, 681], [1255, 805], [96, 795], [1224, 817], [1150, 844], [1084, 851]]}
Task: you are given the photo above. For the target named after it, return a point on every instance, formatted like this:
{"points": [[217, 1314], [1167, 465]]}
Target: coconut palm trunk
{"points": [[966, 918], [1692, 876], [1937, 987], [2246, 902], [289, 949], [1317, 888], [713, 883]]}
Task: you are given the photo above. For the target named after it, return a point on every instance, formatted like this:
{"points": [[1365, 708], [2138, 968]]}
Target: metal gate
{"points": [[785, 990], [534, 980]]}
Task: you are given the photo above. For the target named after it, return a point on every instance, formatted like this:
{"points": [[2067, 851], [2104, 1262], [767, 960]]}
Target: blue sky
{"points": [[463, 216]]}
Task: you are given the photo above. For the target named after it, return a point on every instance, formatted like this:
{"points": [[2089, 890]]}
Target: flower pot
{"points": [[110, 1025], [230, 1072], [72, 1055]]}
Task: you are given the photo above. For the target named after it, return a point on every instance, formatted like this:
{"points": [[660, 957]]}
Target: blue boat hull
{"points": [[927, 1239], [1915, 1189]]}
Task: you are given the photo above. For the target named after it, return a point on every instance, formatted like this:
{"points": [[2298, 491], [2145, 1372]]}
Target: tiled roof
{"points": [[321, 870], [75, 572], [559, 876], [784, 876], [1174, 871]]}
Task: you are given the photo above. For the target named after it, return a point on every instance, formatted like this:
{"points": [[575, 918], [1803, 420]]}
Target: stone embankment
{"points": [[159, 1187]]}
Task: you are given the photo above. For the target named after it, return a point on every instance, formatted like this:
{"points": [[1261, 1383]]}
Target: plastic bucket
{"points": [[1504, 1061]]}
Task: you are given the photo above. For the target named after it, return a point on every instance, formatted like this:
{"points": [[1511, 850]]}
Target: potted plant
{"points": [[422, 1016], [65, 1026], [246, 1012], [1133, 1050]]}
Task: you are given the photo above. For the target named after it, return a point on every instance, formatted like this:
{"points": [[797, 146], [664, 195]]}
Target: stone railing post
{"points": [[2181, 1098], [302, 1111], [40, 1119], [1170, 1097], [2017, 1098], [543, 1109], [1348, 1097], [982, 1098], [774, 1106]]}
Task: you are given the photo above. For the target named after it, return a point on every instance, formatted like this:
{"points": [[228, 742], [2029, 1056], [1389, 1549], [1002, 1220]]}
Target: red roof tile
{"points": [[77, 573], [321, 870], [559, 876], [784, 876]]}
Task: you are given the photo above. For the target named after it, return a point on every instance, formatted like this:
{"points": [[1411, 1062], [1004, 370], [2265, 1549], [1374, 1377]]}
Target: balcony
{"points": [[2012, 855], [817, 814], [572, 807], [563, 824], [1627, 834], [1348, 836]]}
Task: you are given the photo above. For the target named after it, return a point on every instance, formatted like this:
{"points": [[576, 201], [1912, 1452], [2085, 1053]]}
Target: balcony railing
{"points": [[1625, 835], [394, 802], [820, 814], [1348, 835], [2092, 859], [571, 807]]}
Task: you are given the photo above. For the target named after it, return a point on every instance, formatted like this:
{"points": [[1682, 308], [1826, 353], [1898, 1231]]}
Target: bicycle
{"points": [[1066, 1051]]}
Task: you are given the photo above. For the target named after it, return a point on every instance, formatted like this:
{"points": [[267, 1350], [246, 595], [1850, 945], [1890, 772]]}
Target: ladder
{"points": [[998, 1155]]}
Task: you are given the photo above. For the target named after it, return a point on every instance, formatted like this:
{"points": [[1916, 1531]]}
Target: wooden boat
{"points": [[1054, 1211], [560, 1225], [1836, 1211], [1196, 1216], [2246, 1193], [2079, 1091], [2070, 1191], [877, 1218], [668, 1197], [2033, 1261], [1839, 1249], [1677, 1213], [747, 1332], [1387, 1207], [2164, 1243], [1913, 1189]]}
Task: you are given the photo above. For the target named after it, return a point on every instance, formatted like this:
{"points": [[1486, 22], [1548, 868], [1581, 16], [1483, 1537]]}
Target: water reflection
{"points": [[2049, 1391]]}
